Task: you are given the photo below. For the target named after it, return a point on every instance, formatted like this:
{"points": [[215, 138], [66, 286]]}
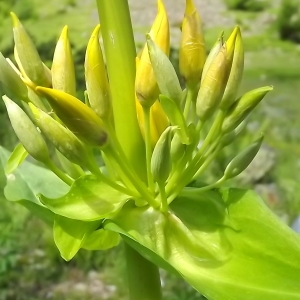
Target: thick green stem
{"points": [[144, 282], [120, 56], [147, 286]]}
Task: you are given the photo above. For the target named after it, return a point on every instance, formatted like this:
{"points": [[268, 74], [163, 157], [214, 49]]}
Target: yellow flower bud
{"points": [[158, 121], [230, 45], [212, 87], [192, 53], [212, 54], [28, 60], [236, 72], [96, 77], [145, 83], [63, 73], [78, 117]]}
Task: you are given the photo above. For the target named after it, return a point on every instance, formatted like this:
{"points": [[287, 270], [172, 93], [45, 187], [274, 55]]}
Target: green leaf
{"points": [[16, 158], [37, 179], [89, 199], [69, 235], [227, 244], [23, 184], [176, 117], [100, 240]]}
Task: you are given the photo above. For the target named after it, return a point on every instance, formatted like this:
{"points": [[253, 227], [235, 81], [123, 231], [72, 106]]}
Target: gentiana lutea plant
{"points": [[156, 138]]}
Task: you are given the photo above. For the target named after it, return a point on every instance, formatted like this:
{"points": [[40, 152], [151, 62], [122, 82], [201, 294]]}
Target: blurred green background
{"points": [[30, 265]]}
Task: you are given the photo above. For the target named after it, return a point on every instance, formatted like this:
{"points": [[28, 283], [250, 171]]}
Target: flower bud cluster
{"points": [[171, 117]]}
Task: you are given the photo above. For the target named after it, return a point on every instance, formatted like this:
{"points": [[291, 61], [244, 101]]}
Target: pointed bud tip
{"points": [[15, 19], [64, 33], [190, 7], [6, 100], [160, 6], [96, 31]]}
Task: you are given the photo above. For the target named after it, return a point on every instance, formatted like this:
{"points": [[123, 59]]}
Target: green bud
{"points": [[61, 137], [161, 162], [63, 73], [231, 136], [212, 54], [26, 131], [176, 118], [242, 160], [96, 78], [78, 117], [177, 148], [242, 107], [28, 58], [236, 72], [11, 81], [165, 74], [212, 87]]}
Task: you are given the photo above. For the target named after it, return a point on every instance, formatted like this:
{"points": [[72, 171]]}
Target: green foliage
{"points": [[89, 199], [214, 234], [288, 20], [249, 5]]}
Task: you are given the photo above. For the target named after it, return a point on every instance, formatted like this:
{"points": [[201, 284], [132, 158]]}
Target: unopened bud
{"points": [[26, 131], [161, 163], [28, 56], [176, 118], [177, 148], [192, 53], [165, 74], [78, 117], [63, 73], [96, 77], [230, 46], [231, 136], [236, 72], [61, 137], [212, 87], [212, 54], [242, 108], [242, 160], [145, 83], [11, 82]]}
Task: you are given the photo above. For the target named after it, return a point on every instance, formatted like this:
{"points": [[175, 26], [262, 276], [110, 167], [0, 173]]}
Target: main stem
{"points": [[119, 47], [142, 287]]}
